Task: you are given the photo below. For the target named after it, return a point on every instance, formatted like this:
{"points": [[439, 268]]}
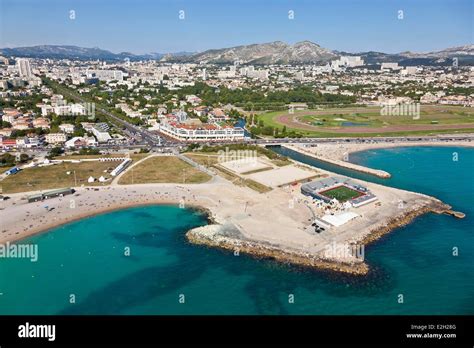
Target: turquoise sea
{"points": [[87, 259]]}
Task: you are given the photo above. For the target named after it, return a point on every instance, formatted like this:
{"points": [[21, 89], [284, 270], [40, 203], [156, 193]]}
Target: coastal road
{"points": [[445, 138]]}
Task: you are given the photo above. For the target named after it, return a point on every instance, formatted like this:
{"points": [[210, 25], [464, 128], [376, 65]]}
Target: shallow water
{"points": [[86, 259]]}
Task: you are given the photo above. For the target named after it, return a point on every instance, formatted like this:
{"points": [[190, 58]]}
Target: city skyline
{"points": [[211, 25]]}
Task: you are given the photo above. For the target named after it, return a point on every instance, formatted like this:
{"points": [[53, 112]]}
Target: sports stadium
{"points": [[338, 188]]}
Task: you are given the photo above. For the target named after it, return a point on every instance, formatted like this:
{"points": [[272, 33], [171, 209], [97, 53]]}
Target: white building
{"points": [[55, 138], [181, 116], [224, 74], [27, 142], [101, 135], [299, 76], [106, 75], [390, 66], [217, 115], [410, 70], [128, 110], [77, 142], [348, 61], [207, 132], [250, 71], [63, 110], [24, 68], [66, 128]]}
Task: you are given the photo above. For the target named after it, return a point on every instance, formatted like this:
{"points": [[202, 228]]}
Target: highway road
{"points": [[463, 137], [173, 147], [150, 138]]}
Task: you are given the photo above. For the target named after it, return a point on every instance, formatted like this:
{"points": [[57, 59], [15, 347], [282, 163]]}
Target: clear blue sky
{"points": [[141, 26]]}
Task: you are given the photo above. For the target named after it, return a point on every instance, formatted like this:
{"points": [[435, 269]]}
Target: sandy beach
{"points": [[276, 224]]}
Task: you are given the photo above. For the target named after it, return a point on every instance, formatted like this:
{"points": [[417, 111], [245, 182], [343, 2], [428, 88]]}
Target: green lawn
{"points": [[341, 193], [324, 119]]}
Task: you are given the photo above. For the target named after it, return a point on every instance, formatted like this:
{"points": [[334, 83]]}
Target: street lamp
{"points": [[75, 179]]}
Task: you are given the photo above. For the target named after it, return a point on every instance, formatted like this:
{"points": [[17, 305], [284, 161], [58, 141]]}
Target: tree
{"points": [[89, 151], [55, 151], [39, 131], [24, 158], [78, 131], [7, 160], [5, 124]]}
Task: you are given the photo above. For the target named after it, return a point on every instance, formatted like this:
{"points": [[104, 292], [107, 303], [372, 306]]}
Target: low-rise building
{"points": [[217, 115], [10, 115], [6, 131], [64, 109], [101, 135], [21, 124], [78, 142], [27, 142], [6, 143], [41, 122], [128, 110], [201, 111], [66, 128], [428, 98], [55, 138]]}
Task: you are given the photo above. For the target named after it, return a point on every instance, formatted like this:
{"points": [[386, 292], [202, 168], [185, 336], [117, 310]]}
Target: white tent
{"points": [[91, 179], [339, 219], [102, 179], [347, 205]]}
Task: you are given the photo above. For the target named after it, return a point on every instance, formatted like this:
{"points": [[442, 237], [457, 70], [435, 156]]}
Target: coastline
{"points": [[253, 248], [83, 211], [257, 250], [266, 230], [338, 154], [211, 236], [343, 164], [48, 228]]}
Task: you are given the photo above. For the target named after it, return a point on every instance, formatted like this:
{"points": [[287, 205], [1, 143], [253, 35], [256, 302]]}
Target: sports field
{"points": [[371, 121], [341, 193]]}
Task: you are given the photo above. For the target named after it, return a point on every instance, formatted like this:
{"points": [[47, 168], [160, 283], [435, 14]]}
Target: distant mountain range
{"points": [[81, 53], [305, 52], [267, 53]]}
